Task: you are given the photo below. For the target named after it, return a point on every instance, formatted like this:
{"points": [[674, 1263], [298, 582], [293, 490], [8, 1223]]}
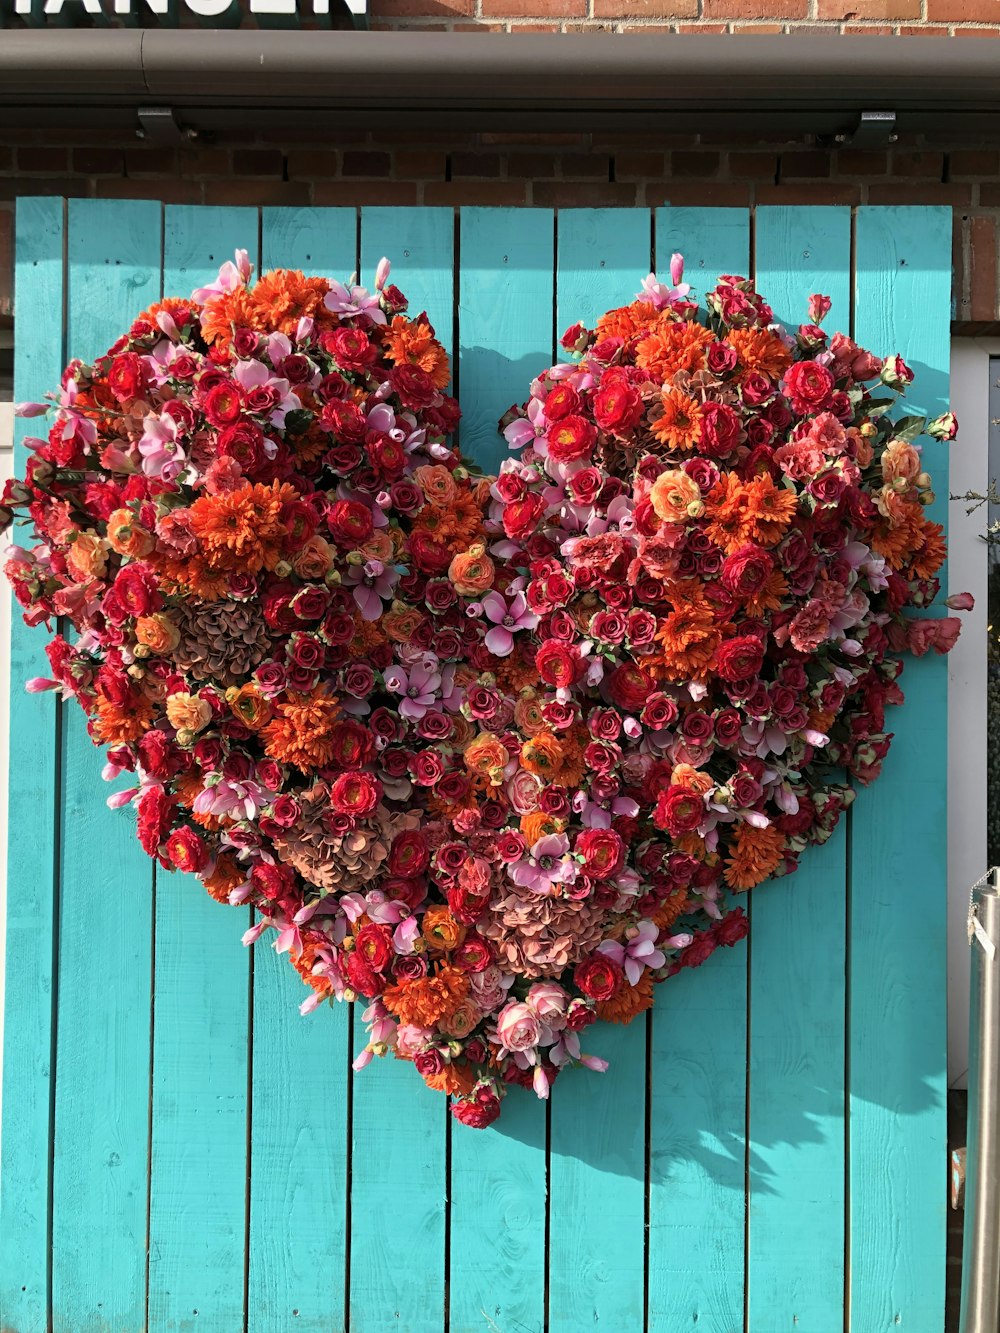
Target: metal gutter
{"points": [[223, 79]]}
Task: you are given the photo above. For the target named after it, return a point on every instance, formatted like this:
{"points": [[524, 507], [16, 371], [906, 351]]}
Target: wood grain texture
{"points": [[398, 1163], [798, 945], [897, 1072], [698, 1073], [498, 1175], [102, 1060], [298, 1149], [596, 1233], [202, 1017], [506, 257], [32, 793]]}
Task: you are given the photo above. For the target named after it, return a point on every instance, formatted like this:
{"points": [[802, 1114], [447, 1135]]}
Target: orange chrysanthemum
{"points": [[672, 907], [225, 313], [411, 342], [761, 351], [930, 551], [302, 732], [769, 510], [303, 962], [672, 348], [628, 1003], [242, 529], [769, 596], [114, 724], [757, 854], [192, 576], [284, 296], [457, 1079], [225, 877], [428, 1000], [629, 320], [679, 424], [688, 637], [726, 509]]}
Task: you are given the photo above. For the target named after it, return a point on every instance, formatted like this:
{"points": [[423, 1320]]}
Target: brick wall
{"points": [[552, 170]]}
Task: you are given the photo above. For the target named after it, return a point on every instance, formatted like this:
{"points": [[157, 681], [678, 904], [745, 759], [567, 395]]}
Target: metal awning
{"points": [[800, 83]]}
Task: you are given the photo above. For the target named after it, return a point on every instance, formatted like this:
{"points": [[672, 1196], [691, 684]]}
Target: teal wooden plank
{"points": [[103, 1008], [202, 997], [898, 1036], [798, 945], [598, 1133], [31, 861], [298, 1217], [398, 1181], [697, 1142], [713, 241], [506, 264], [498, 1175]]}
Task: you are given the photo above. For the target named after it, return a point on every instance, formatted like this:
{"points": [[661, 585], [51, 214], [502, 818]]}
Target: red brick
{"points": [[475, 164], [453, 194], [419, 8], [650, 9], [760, 29], [420, 166], [294, 194], [753, 166], [353, 194], [983, 265], [532, 139], [973, 162], [963, 11], [697, 194], [860, 162], [259, 162], [867, 29], [564, 9], [694, 164], [702, 27], [921, 192], [49, 160], [979, 32], [150, 161], [583, 194], [73, 187], [841, 10], [918, 164], [586, 168], [638, 164], [366, 164], [206, 162], [922, 30], [989, 195], [6, 260], [167, 191], [803, 166], [755, 9], [99, 161], [823, 192], [307, 164], [530, 166]]}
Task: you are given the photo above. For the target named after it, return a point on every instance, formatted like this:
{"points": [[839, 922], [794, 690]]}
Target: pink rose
{"points": [[518, 1028]]}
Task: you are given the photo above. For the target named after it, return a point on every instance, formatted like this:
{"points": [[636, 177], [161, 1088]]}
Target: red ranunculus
{"points": [[679, 810], [570, 439], [739, 658], [599, 977], [355, 794], [603, 852]]}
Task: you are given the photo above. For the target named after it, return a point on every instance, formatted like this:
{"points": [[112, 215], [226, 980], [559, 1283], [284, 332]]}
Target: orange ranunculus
{"points": [[127, 536], [488, 756], [542, 754], [314, 560], [250, 706], [440, 929], [538, 824], [436, 482], [472, 572], [87, 556], [157, 632], [676, 497], [188, 712]]}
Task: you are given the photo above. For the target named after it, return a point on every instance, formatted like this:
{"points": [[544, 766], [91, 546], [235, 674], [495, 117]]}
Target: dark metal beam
{"points": [[814, 83]]}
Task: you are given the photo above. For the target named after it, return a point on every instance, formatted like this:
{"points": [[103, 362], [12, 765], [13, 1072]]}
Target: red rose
{"points": [[355, 794], [522, 516], [409, 854], [429, 556], [478, 1112], [350, 523], [186, 851], [344, 420], [599, 977], [721, 430], [700, 948], [374, 944], [603, 852], [585, 486], [562, 401], [740, 658], [732, 928], [362, 978], [429, 1063], [808, 386], [629, 687], [571, 438], [244, 442], [415, 388], [156, 814], [617, 406], [679, 810], [746, 571], [223, 404], [351, 348], [658, 711], [137, 590], [126, 377], [557, 664]]}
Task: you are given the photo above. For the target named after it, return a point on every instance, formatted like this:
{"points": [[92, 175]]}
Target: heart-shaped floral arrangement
{"points": [[490, 755]]}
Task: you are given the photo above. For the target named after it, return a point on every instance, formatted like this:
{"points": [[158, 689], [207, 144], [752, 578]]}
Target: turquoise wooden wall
{"points": [[180, 1150]]}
